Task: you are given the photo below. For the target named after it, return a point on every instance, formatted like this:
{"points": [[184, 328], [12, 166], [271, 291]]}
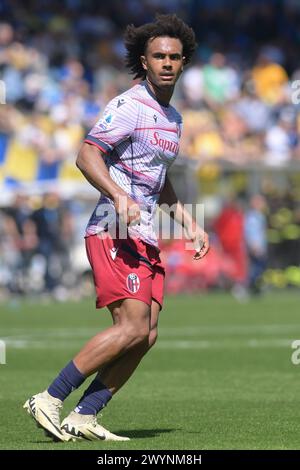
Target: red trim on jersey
{"points": [[155, 128], [135, 172], [96, 145], [152, 107]]}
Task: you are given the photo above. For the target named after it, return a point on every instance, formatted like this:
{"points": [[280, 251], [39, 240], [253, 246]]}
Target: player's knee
{"points": [[137, 333], [142, 334]]}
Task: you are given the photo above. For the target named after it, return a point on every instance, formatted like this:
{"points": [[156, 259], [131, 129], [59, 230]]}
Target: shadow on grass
{"points": [[143, 433], [133, 434]]}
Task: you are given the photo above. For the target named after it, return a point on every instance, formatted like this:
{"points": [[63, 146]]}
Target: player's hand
{"points": [[200, 240], [127, 209]]}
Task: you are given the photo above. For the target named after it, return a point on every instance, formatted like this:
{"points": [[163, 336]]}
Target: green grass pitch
{"points": [[219, 377]]}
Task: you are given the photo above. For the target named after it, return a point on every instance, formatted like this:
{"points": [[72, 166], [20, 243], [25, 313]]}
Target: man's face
{"points": [[163, 61]]}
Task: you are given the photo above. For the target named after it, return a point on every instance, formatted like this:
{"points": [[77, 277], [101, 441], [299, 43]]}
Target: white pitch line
{"points": [[166, 332], [253, 343], [248, 344]]}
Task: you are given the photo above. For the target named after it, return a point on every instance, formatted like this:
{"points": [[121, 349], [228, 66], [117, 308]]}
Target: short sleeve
{"points": [[116, 125]]}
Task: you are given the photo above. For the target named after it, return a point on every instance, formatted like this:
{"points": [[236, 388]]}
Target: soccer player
{"points": [[126, 156]]}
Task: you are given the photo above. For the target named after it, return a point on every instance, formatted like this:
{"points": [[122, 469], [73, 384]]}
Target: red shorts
{"points": [[125, 269]]}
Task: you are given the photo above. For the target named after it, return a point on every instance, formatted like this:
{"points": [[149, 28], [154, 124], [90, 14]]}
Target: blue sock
{"points": [[68, 380], [96, 396]]}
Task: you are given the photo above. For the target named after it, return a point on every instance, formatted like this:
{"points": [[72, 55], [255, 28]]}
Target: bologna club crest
{"points": [[133, 282]]}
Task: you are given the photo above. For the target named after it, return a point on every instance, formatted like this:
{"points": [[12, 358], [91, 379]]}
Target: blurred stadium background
{"points": [[60, 63]]}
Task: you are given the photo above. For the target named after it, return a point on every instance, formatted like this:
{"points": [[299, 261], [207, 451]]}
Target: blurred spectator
{"points": [[229, 227], [269, 77], [54, 235], [255, 112], [192, 85], [256, 241], [281, 139], [220, 82]]}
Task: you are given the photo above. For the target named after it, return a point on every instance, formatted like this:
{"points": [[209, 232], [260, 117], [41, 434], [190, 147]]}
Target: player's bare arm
{"points": [[195, 233], [90, 163]]}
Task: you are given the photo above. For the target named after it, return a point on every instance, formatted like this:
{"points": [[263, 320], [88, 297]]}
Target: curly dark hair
{"points": [[136, 39]]}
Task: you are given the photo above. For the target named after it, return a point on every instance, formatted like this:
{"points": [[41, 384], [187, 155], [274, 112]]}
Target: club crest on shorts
{"points": [[133, 283]]}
